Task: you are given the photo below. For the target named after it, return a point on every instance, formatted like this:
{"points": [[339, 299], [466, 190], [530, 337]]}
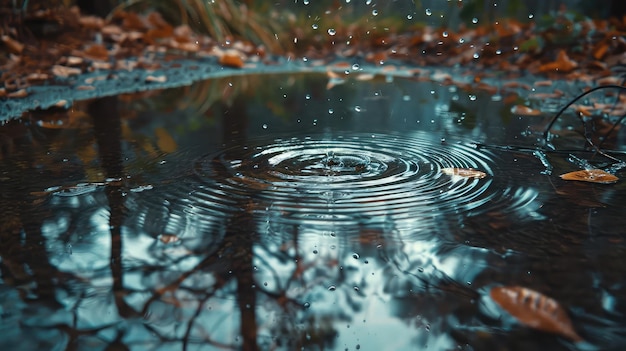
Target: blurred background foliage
{"points": [[282, 24]]}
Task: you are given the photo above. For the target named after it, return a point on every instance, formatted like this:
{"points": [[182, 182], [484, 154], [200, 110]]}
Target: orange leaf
{"points": [[464, 172], [231, 58], [535, 310], [562, 64], [524, 111], [591, 175]]}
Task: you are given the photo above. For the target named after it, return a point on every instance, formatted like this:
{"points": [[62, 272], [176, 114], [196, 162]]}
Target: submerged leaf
{"points": [[591, 175], [464, 172], [535, 310]]}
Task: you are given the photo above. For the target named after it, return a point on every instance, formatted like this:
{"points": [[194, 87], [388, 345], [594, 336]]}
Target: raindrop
{"points": [[409, 17], [368, 2], [474, 20], [406, 98], [476, 55], [306, 305], [332, 31], [264, 126], [356, 288], [498, 52], [445, 34], [314, 26], [306, 2], [472, 97], [315, 252], [374, 12], [331, 111], [355, 256], [530, 16], [428, 12], [332, 288], [355, 67], [357, 108]]}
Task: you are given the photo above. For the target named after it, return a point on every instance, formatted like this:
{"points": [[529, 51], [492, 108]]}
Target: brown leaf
{"points": [[165, 142], [562, 64], [524, 111], [535, 310], [231, 58], [13, 45], [464, 172], [591, 175]]}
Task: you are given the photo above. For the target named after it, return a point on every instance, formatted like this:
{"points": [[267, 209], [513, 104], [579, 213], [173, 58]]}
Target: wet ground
{"points": [[284, 212]]}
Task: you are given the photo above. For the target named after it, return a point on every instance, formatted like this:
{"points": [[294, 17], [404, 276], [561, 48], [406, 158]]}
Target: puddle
{"points": [[269, 212]]}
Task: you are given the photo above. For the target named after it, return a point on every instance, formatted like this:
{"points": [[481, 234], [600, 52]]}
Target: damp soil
{"points": [[281, 212]]}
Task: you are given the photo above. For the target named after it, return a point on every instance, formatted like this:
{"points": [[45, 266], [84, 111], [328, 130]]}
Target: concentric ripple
{"points": [[353, 178]]}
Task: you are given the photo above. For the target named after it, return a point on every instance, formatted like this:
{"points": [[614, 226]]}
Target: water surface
{"points": [[270, 212]]}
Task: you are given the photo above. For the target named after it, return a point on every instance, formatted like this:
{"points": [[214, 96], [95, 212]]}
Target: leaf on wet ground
{"points": [[562, 64], [591, 175], [464, 172], [525, 111], [535, 310]]}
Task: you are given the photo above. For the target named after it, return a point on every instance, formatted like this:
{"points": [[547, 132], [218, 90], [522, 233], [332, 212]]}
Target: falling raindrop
{"points": [[314, 26], [306, 305], [357, 108], [264, 126], [374, 12], [332, 31], [428, 12], [331, 111], [474, 20], [332, 288], [409, 17], [355, 256], [355, 67]]}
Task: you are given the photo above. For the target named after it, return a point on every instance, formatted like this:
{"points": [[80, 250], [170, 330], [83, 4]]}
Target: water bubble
{"points": [[357, 108], [314, 26], [355, 67], [355, 256], [428, 12], [264, 126], [476, 55], [472, 97], [332, 31], [474, 20], [530, 16], [368, 2], [307, 96], [374, 12], [331, 111], [306, 2], [445, 34], [498, 52], [409, 17]]}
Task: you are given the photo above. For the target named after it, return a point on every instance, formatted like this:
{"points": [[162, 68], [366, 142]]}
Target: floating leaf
{"points": [[464, 172], [524, 111], [535, 310], [591, 175]]}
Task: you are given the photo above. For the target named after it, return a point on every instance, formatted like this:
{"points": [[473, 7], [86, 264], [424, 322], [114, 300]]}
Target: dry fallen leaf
{"points": [[464, 172], [524, 111], [591, 175], [562, 64], [535, 310], [231, 58]]}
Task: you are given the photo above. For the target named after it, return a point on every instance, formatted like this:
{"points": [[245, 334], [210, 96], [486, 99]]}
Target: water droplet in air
{"points": [[374, 12], [332, 31], [428, 12], [331, 111], [357, 108], [264, 126], [409, 17], [474, 20], [314, 26]]}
